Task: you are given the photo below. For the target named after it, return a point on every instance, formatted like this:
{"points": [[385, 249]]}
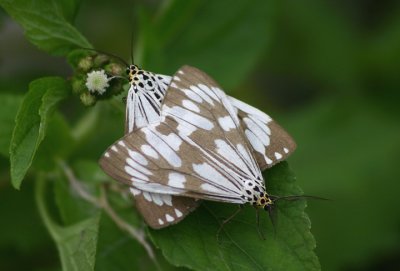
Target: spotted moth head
{"points": [[145, 81], [264, 201], [132, 71]]}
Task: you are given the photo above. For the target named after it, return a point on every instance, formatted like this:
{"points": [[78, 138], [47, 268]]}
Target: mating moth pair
{"points": [[187, 140]]}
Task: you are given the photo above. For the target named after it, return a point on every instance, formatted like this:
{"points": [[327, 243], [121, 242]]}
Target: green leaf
{"points": [[193, 242], [31, 123], [18, 240], [77, 243], [8, 111], [71, 206], [349, 153], [225, 44], [57, 144], [46, 24], [68, 8], [117, 250]]}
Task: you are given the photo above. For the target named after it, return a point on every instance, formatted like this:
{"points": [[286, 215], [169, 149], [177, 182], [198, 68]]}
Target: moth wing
{"points": [[162, 210], [156, 159], [197, 150], [143, 104], [158, 210], [270, 142]]}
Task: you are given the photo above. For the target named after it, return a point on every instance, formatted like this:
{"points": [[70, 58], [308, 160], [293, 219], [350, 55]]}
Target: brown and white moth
{"points": [[186, 140]]}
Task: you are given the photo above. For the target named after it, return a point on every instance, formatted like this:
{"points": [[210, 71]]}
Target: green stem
{"points": [[40, 192]]}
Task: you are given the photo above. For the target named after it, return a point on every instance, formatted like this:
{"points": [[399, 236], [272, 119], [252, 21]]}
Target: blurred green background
{"points": [[327, 71]]}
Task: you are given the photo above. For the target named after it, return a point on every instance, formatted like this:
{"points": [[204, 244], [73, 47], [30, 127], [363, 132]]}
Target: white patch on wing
{"points": [[245, 153], [261, 124], [257, 131], [257, 145], [255, 141], [178, 213], [208, 91], [228, 153], [121, 143], [138, 167], [210, 188], [138, 157], [135, 191], [183, 115], [218, 92], [149, 151], [212, 175], [285, 150], [190, 105], [186, 129], [203, 95], [250, 110], [156, 199], [169, 218], [160, 221], [157, 188], [154, 139], [167, 199], [150, 114], [176, 180], [278, 155], [107, 154], [135, 174], [114, 148], [147, 196], [172, 140], [191, 95], [226, 123]]}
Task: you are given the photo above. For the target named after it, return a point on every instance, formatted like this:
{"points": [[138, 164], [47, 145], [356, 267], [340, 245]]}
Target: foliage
{"points": [[328, 73], [31, 123], [196, 243]]}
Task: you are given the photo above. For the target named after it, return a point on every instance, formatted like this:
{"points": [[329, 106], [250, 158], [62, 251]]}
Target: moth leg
{"points": [[272, 216], [260, 233], [229, 219]]}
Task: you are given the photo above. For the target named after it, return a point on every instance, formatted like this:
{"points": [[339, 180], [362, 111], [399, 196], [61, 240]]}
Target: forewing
{"points": [[161, 210], [196, 150], [156, 159], [270, 142], [143, 106], [143, 102]]}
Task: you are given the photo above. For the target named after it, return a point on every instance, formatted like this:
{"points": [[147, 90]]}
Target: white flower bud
{"points": [[97, 82]]}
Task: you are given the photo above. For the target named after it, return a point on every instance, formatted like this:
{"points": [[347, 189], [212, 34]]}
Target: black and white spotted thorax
{"points": [[255, 194], [145, 96], [146, 81]]}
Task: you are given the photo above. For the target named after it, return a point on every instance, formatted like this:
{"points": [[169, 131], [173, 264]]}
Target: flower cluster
{"points": [[94, 77], [97, 82]]}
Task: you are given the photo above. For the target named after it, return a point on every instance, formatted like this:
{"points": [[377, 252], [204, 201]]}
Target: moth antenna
{"points": [[272, 217], [297, 197], [228, 219], [260, 233], [118, 77], [132, 49], [108, 54]]}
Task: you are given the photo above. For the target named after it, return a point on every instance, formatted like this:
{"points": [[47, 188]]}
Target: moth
{"points": [[187, 140]]}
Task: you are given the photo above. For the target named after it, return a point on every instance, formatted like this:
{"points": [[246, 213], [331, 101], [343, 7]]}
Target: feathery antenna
{"points": [[108, 54], [297, 197], [132, 50]]}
